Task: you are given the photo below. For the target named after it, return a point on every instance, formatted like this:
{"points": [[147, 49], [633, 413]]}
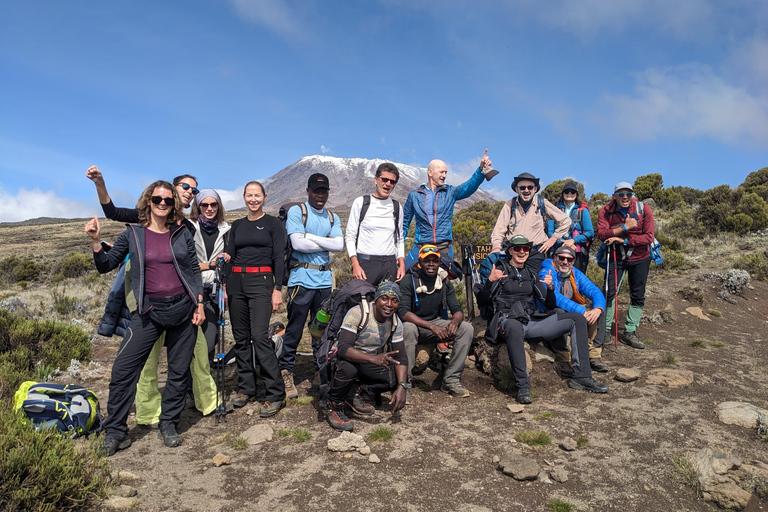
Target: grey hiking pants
{"points": [[413, 335]]}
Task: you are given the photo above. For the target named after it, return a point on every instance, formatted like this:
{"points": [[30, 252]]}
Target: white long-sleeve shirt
{"points": [[377, 232]]}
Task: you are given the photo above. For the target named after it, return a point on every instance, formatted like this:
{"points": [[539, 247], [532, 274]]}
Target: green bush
{"points": [[757, 183], [756, 264], [684, 223], [473, 225], [716, 205], [668, 199], [668, 242], [648, 186], [75, 264], [15, 269], [756, 208], [673, 260], [691, 196], [552, 191], [740, 223], [45, 471], [597, 201]]}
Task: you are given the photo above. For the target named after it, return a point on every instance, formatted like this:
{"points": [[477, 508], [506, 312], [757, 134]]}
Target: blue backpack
{"points": [[73, 410]]}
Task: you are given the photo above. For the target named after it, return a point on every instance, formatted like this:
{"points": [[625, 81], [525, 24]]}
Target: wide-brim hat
{"points": [[526, 176]]}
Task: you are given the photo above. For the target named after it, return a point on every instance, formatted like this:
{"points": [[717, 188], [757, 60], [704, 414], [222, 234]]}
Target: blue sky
{"points": [[229, 91]]}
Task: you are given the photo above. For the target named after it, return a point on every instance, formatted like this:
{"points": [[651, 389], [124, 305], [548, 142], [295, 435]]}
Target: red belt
{"points": [[252, 270]]}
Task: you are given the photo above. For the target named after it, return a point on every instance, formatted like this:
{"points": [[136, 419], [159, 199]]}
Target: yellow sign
{"points": [[480, 252]]}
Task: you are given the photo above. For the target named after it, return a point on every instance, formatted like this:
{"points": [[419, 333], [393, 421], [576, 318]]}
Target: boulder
{"points": [[718, 479], [493, 359], [346, 442], [627, 374], [728, 496], [257, 434], [519, 467], [542, 353], [740, 413], [670, 377]]}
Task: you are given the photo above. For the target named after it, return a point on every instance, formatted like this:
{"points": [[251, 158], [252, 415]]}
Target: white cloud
{"points": [[459, 125], [383, 140], [326, 149], [460, 172], [275, 15], [687, 101], [232, 199], [30, 204]]}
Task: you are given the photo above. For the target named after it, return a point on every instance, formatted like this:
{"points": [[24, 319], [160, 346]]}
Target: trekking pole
{"points": [[615, 299], [221, 396]]}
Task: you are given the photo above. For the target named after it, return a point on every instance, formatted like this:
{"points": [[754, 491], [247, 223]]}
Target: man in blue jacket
{"points": [[572, 288], [432, 206]]}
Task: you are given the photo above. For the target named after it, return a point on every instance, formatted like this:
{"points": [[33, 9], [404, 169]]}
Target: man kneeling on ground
{"points": [[371, 359], [427, 297]]}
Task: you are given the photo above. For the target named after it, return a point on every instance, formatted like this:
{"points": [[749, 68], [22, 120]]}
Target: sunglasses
{"points": [[187, 186], [169, 201], [205, 206], [569, 191], [521, 248], [566, 258], [430, 251], [624, 194], [526, 187], [388, 180]]}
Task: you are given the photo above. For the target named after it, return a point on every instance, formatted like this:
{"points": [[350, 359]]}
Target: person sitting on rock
{"points": [[572, 288], [427, 295], [519, 298], [371, 359]]}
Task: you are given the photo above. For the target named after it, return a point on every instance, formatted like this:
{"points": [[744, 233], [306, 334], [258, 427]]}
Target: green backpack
{"points": [[73, 410]]}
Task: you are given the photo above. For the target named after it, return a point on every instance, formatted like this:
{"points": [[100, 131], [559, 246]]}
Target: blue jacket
{"points": [[583, 285], [583, 226], [445, 197]]}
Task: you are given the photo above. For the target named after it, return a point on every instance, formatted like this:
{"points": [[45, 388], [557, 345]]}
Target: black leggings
{"points": [[372, 377], [552, 329]]}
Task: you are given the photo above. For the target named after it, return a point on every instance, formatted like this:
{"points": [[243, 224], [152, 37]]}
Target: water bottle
{"points": [[319, 323]]}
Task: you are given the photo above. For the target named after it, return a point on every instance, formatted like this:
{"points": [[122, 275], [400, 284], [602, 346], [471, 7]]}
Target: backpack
{"points": [[290, 262], [654, 247], [488, 310], [364, 210], [73, 410], [577, 223], [542, 209], [356, 292]]}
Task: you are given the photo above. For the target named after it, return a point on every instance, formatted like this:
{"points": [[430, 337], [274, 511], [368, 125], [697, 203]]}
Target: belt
{"points": [[322, 268], [170, 300], [251, 270], [370, 257]]}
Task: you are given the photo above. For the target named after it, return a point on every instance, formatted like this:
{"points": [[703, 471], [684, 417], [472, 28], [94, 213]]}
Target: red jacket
{"points": [[639, 237]]}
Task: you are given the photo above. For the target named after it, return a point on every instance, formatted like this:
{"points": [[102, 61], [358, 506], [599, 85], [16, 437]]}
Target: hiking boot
{"points": [[442, 348], [168, 434], [336, 417], [112, 445], [631, 339], [524, 396], [271, 408], [241, 399], [454, 389], [189, 401], [564, 369], [587, 384], [290, 387], [597, 364], [361, 403]]}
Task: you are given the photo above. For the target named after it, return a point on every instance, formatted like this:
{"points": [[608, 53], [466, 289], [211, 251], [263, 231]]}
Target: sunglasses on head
{"points": [[205, 206], [624, 194], [526, 187], [169, 201], [187, 186], [430, 251], [388, 180], [521, 248], [565, 258]]}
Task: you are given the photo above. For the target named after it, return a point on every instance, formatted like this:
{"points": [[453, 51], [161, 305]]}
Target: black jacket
{"points": [[132, 241]]}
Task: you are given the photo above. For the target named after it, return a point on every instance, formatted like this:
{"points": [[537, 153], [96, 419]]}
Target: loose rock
{"points": [[365, 450], [124, 491], [346, 442], [126, 477], [568, 444], [374, 459], [627, 374], [496, 459], [719, 480], [543, 477], [119, 503], [559, 475], [220, 460], [257, 434], [740, 413], [516, 408], [698, 313], [519, 467], [669, 377]]}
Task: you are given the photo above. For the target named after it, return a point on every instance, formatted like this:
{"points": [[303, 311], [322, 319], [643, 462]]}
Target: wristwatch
{"points": [[406, 385]]}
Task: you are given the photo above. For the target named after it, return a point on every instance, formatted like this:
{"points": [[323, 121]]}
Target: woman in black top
{"points": [[255, 252]]}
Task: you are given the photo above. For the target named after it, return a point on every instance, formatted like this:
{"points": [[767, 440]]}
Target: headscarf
{"points": [[208, 225]]}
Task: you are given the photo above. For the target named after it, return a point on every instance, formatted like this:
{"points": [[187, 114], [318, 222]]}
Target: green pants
{"points": [[148, 399]]}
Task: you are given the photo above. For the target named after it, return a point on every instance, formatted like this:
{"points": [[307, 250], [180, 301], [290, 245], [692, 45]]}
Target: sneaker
{"points": [[454, 389], [597, 364], [587, 384], [241, 399], [168, 434], [442, 348], [524, 396], [290, 387], [112, 445], [631, 339], [271, 408], [361, 403], [337, 419]]}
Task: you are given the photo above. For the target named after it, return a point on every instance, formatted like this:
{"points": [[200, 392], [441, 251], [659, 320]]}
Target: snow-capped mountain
{"points": [[349, 178]]}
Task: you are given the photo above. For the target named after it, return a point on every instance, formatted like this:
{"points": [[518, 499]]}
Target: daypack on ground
{"points": [[282, 216], [355, 292], [73, 410]]}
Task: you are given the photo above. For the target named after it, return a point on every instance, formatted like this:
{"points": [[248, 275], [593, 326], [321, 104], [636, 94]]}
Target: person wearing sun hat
{"points": [[527, 214]]}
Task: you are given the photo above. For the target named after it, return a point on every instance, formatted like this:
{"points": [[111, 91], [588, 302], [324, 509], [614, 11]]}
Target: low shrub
{"points": [[533, 438], [756, 264], [559, 506], [75, 264], [15, 269]]}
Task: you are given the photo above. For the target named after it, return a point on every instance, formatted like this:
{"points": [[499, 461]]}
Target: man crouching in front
{"points": [[371, 359]]}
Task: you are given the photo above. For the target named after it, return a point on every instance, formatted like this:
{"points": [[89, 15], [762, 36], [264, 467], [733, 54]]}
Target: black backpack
{"points": [[364, 210], [356, 292], [282, 215]]}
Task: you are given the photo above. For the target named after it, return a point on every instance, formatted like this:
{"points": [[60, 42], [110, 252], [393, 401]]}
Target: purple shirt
{"points": [[161, 279]]}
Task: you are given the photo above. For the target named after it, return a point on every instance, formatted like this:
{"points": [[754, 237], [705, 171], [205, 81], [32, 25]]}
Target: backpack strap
{"points": [[396, 212], [366, 315], [543, 211], [303, 208], [363, 211]]}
